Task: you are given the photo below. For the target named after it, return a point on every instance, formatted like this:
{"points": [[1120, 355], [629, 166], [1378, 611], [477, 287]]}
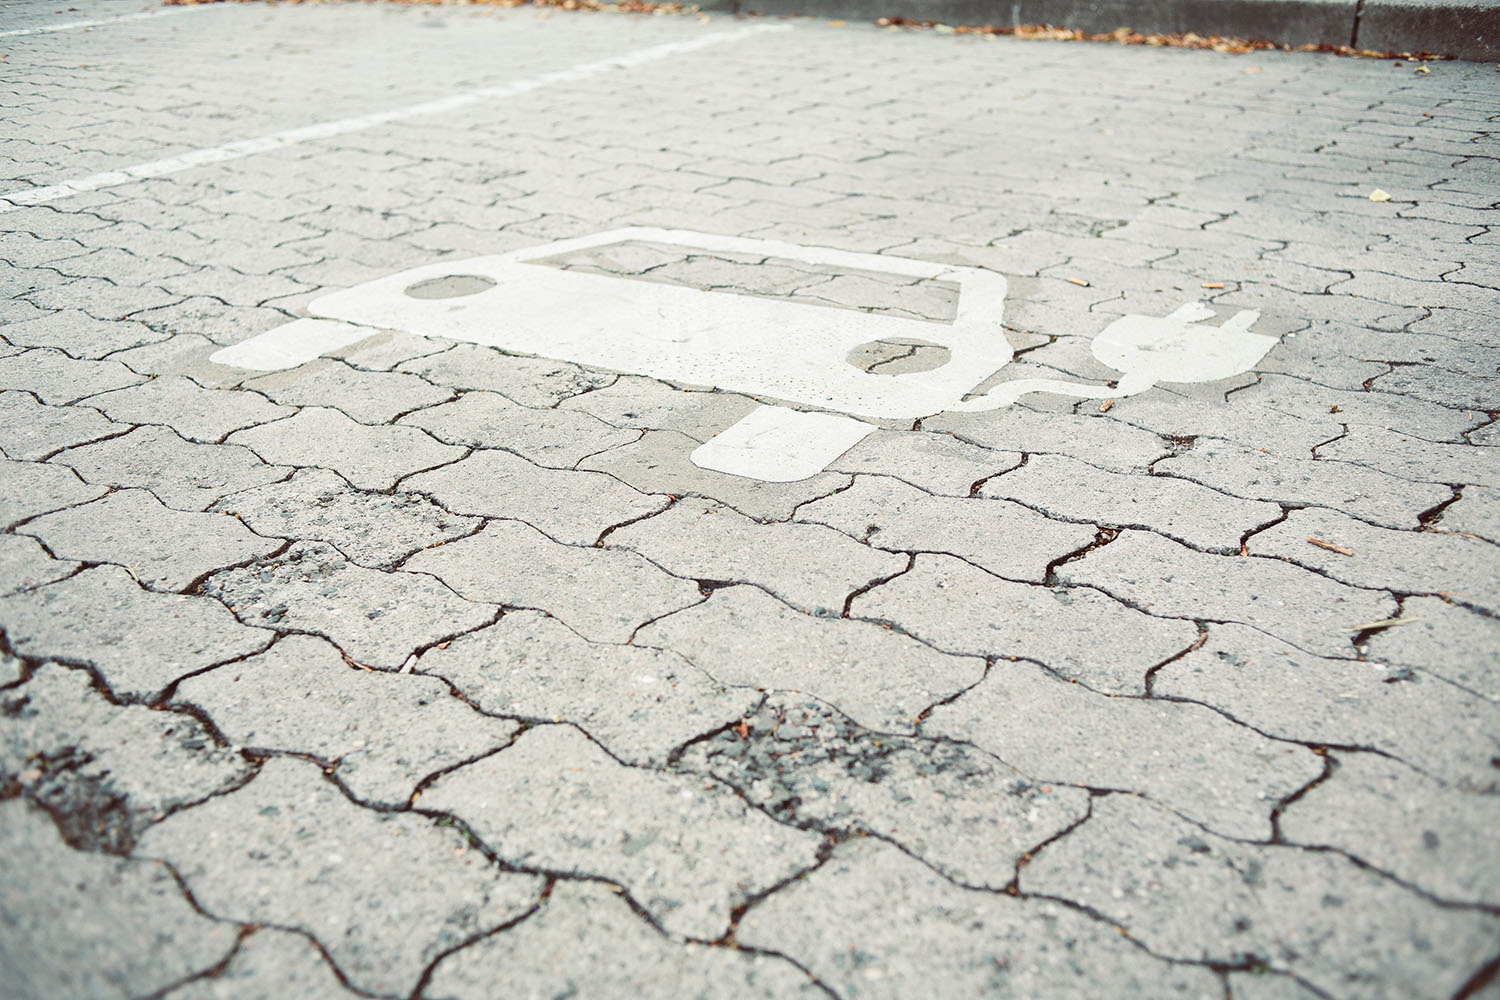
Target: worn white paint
{"points": [[777, 445], [291, 344], [343, 126], [47, 29]]}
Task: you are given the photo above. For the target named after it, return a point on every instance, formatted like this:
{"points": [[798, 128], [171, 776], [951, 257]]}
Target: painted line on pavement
{"points": [[307, 133], [100, 22]]}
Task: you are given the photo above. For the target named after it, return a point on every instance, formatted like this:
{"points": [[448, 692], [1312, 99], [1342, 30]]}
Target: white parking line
{"points": [[99, 22], [276, 140]]}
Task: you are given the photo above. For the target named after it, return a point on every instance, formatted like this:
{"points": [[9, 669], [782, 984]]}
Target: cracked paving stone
{"points": [[184, 354], [1429, 834], [1185, 756], [875, 923], [30, 430], [1161, 577], [556, 439], [881, 679], [1194, 515], [535, 382], [24, 564], [639, 703], [1291, 694], [137, 640], [373, 529], [659, 463], [372, 458], [364, 396], [1413, 460], [1441, 386], [80, 335], [687, 850], [638, 403], [1368, 494], [57, 379], [585, 941], [808, 565], [1402, 561], [1262, 984], [379, 619], [384, 351], [89, 925], [1189, 894], [1077, 632], [1475, 512], [939, 463], [163, 548], [1002, 537], [1429, 638], [183, 475], [1097, 440], [1249, 423], [603, 594], [572, 507], [196, 413], [956, 808], [105, 771], [381, 732], [385, 892], [270, 964]]}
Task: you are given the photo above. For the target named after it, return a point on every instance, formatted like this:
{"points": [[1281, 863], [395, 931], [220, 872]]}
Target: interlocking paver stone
{"points": [[92, 925], [1415, 459], [603, 594], [24, 564], [646, 404], [372, 458], [80, 335], [1475, 512], [57, 379], [557, 439], [1100, 441], [874, 922], [641, 704], [31, 430], [196, 413], [1186, 893], [1005, 538], [182, 474], [372, 529], [687, 851], [138, 641], [1427, 640], [529, 381], [380, 619], [586, 941], [368, 397], [938, 463], [289, 850], [381, 732], [163, 548], [572, 507], [269, 963]]}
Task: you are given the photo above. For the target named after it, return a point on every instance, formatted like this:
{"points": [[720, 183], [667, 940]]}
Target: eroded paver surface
{"points": [[414, 667]]}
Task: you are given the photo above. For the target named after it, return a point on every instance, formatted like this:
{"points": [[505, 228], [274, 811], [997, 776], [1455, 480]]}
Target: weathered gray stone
{"points": [[57, 379], [31, 488], [1185, 756], [11, 670], [183, 354], [384, 351], [379, 619], [1092, 438], [882, 680], [1339, 407], [639, 703], [1360, 492], [139, 642], [372, 458], [648, 405], [372, 529], [572, 507], [877, 924], [954, 807], [1427, 833], [1248, 422], [162, 548], [88, 925], [32, 431], [659, 463], [1445, 639], [289, 850], [269, 965], [1475, 512], [1289, 693], [556, 439], [80, 335], [381, 732], [24, 564], [105, 771], [808, 565], [183, 475], [367, 397], [938, 463], [1163, 578], [1263, 984], [587, 942], [1005, 538], [687, 851], [1414, 459], [1403, 561], [1077, 632], [1189, 894], [196, 413], [1066, 488], [603, 594], [535, 382], [1439, 385]]}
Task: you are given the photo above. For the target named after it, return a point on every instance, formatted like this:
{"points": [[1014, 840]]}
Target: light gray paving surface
{"points": [[422, 667]]}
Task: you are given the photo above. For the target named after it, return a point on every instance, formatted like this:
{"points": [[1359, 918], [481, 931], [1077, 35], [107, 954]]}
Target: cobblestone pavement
{"points": [[422, 669]]}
